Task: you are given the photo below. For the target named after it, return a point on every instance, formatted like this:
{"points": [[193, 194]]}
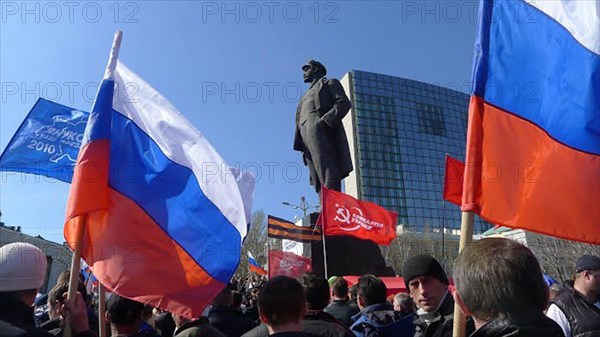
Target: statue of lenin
{"points": [[320, 135]]}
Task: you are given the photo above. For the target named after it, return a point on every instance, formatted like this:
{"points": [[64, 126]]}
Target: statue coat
{"points": [[320, 135]]}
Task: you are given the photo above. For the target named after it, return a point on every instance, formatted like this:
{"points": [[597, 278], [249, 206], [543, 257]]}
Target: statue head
{"points": [[313, 70]]}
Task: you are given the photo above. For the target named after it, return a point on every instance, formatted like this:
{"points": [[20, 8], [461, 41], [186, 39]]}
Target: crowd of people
{"points": [[498, 283]]}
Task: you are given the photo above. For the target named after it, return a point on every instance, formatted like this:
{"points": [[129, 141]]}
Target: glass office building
{"points": [[399, 132]]}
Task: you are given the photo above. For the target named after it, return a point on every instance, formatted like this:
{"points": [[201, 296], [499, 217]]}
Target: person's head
{"points": [[403, 303], [56, 297], [316, 289], [587, 276], [498, 277], [313, 70], [165, 324], [281, 302], [339, 288], [224, 298], [22, 270], [352, 292], [123, 314], [370, 290], [426, 281]]}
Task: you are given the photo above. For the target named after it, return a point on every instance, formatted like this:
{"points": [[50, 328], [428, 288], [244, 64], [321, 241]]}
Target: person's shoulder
{"points": [[259, 331], [291, 334], [204, 330], [323, 327]]}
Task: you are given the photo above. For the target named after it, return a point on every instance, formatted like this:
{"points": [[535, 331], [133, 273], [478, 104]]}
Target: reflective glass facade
{"points": [[399, 132]]}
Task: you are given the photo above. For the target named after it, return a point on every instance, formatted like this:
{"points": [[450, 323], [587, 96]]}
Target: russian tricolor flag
{"points": [[160, 226], [253, 266], [533, 141]]}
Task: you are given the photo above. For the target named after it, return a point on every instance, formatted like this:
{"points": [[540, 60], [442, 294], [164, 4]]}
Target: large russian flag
{"points": [[533, 140], [160, 226]]}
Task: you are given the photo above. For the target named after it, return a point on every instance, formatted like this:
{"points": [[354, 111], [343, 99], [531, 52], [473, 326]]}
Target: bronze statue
{"points": [[320, 135]]}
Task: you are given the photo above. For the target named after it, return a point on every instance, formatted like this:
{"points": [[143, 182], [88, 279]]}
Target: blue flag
{"points": [[47, 142]]}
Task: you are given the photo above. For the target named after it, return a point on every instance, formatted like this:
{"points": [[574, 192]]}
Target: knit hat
{"points": [[423, 265], [22, 267], [587, 262]]}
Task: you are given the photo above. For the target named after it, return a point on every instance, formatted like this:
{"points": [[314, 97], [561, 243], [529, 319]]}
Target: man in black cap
{"points": [[573, 308], [125, 317], [320, 135], [427, 283]]}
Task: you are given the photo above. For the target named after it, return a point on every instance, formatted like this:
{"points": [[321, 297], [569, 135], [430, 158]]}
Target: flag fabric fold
{"points": [[282, 229], [344, 215], [158, 228], [453, 180], [253, 266], [533, 140], [288, 264]]}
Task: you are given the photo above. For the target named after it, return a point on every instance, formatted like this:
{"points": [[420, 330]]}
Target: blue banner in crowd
{"points": [[47, 142]]}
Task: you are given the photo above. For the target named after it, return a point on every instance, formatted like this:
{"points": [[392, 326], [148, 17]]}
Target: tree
{"points": [[558, 256], [255, 242]]}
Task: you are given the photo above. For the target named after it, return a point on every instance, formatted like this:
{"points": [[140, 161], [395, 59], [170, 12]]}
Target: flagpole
{"points": [[466, 236], [101, 310], [268, 256], [325, 253], [80, 223], [323, 233], [81, 220]]}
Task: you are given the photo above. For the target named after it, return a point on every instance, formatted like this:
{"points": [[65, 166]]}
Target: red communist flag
{"points": [[288, 264], [453, 180], [344, 215]]}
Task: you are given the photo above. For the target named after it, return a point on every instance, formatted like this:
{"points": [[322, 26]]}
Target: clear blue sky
{"points": [[191, 51]]}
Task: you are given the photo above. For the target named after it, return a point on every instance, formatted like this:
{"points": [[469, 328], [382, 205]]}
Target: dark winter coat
{"points": [[341, 311], [442, 324], [230, 322], [536, 325], [16, 319], [381, 320], [314, 324]]}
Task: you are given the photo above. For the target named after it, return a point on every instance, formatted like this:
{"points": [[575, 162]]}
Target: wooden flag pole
{"points": [[324, 253], [268, 255], [101, 310], [322, 222], [466, 236], [80, 223]]}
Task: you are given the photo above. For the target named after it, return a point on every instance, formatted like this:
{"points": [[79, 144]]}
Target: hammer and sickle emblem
{"points": [[343, 214]]}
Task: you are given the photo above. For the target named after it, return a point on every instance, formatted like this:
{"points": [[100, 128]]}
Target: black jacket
{"points": [[441, 326], [583, 316], [314, 324], [229, 322], [16, 320], [536, 325], [341, 311], [197, 328]]}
